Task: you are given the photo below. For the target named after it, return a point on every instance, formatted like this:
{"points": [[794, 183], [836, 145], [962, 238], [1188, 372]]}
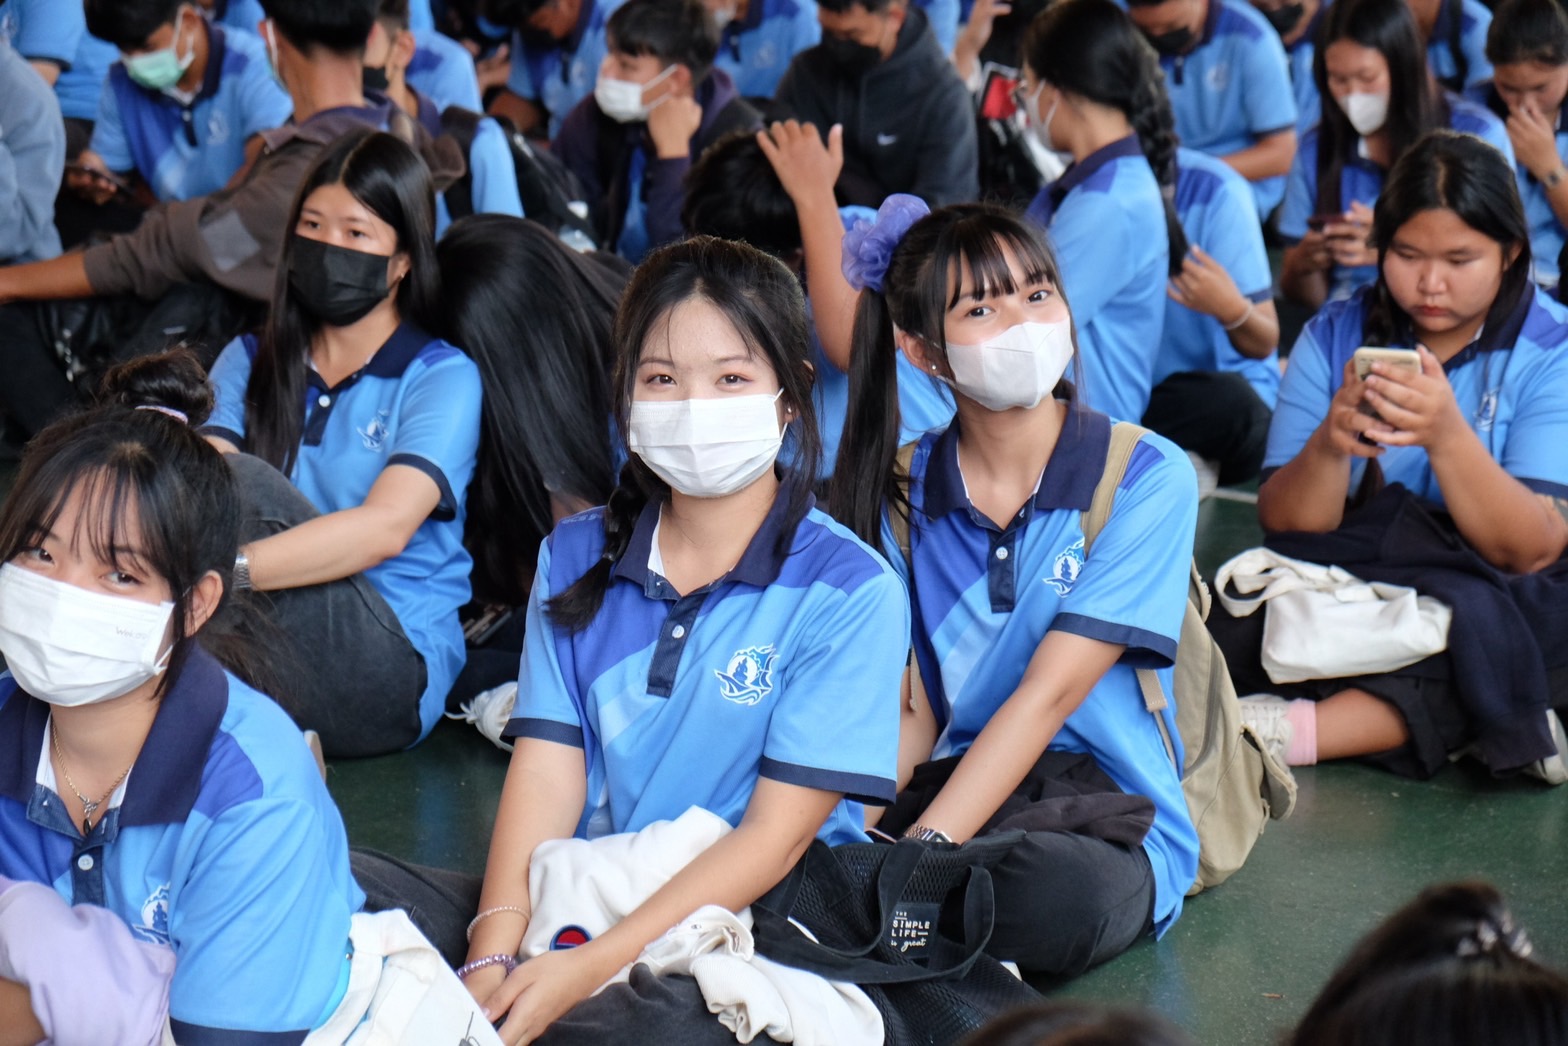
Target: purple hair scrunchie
{"points": [[869, 246]]}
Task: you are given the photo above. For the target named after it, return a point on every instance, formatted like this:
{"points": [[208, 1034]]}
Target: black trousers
{"points": [[1216, 415]]}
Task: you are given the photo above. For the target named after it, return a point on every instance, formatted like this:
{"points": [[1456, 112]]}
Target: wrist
{"points": [[1555, 175], [1234, 318]]}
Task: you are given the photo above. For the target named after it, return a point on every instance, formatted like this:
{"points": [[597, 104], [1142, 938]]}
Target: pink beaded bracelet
{"points": [[489, 960]]}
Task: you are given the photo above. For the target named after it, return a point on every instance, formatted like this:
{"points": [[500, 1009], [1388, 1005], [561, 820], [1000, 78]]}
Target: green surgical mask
{"points": [[161, 70]]}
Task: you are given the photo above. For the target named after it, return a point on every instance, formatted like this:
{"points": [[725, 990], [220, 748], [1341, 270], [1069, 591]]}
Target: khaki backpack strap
{"points": [[1124, 437], [904, 461]]}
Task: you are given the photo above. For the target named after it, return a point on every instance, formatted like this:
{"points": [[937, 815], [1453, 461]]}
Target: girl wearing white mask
{"points": [[1025, 644], [142, 772], [1378, 97], [707, 639]]}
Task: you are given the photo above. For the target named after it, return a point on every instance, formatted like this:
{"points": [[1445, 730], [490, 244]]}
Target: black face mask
{"points": [[1286, 18], [1172, 43], [334, 284], [852, 57], [375, 79]]}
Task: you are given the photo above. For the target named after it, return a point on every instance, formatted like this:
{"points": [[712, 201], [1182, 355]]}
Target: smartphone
{"points": [[1318, 221], [1404, 359], [119, 184]]}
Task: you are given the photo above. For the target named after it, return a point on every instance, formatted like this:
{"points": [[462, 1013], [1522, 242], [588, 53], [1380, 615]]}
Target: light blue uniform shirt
{"points": [[756, 50], [1511, 385], [1361, 180], [789, 667], [443, 71], [224, 846], [184, 151], [492, 174], [943, 16], [56, 31], [986, 597], [1214, 204], [1106, 222], [240, 14], [1233, 89], [32, 160], [1309, 107], [80, 86], [415, 403], [1467, 22], [1546, 232], [562, 76]]}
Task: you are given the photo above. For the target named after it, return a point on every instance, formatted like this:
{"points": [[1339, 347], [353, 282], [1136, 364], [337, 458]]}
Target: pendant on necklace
{"points": [[88, 809]]}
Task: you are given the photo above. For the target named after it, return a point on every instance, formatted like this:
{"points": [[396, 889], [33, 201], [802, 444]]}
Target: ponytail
{"points": [[579, 603], [863, 478]]}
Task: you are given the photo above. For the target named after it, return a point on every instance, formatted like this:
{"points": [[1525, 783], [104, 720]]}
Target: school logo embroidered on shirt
{"points": [[155, 917], [1066, 568], [749, 677], [1486, 413], [376, 433]]}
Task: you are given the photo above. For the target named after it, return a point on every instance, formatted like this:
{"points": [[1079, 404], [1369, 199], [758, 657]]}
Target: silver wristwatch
{"points": [[926, 835], [242, 571]]}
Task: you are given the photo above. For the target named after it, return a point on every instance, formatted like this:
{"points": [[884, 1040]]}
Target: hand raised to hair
{"points": [[1534, 140], [671, 125], [1204, 286], [977, 33], [807, 168]]}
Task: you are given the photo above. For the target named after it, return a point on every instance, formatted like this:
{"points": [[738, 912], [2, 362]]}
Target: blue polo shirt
{"points": [[1546, 232], [559, 77], [191, 150], [443, 71], [943, 16], [756, 50], [415, 403], [1511, 384], [788, 667], [1106, 221], [1309, 107], [80, 86], [987, 595], [1462, 22], [44, 29], [1214, 204], [222, 844], [240, 14], [1362, 180], [1233, 89], [492, 174]]}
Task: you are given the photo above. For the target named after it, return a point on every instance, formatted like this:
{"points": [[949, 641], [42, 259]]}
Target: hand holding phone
{"points": [[1407, 360]]}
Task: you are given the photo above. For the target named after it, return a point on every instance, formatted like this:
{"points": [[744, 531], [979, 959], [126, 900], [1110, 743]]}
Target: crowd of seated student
{"points": [[423, 400]]}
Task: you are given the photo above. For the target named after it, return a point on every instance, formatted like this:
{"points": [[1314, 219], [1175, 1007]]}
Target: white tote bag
{"points": [[1326, 623]]}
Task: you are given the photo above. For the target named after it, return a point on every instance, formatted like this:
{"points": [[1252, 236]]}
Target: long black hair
{"points": [[922, 283], [1447, 170], [384, 174], [1528, 31], [1415, 103], [1090, 48], [147, 466], [1449, 969], [535, 316], [763, 302]]}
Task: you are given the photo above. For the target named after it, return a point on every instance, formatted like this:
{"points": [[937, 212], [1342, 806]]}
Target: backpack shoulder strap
{"points": [[904, 460], [462, 126]]}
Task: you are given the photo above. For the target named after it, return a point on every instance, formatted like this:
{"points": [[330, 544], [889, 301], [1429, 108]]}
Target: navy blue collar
{"points": [[759, 565], [1446, 26], [168, 775], [1071, 474], [1211, 21], [1081, 171], [212, 76], [390, 361]]}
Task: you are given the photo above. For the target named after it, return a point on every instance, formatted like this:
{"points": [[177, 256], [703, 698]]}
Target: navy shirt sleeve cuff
{"points": [[1145, 649], [446, 508], [200, 1035], [1547, 487], [863, 788], [222, 433], [544, 730]]}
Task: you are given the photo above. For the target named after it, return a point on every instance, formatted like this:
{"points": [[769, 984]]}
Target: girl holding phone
{"points": [[1478, 432], [1378, 97]]}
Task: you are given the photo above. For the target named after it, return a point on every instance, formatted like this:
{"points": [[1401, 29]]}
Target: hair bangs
{"points": [[991, 256]]}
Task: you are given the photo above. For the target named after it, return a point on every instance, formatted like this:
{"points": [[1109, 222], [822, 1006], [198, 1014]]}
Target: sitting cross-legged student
{"points": [[1217, 374], [1442, 471], [1528, 46], [877, 64], [659, 102], [1229, 86], [759, 38], [557, 48], [185, 105]]}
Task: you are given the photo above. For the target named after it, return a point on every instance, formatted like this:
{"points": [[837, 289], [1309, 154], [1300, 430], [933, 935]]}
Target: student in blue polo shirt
{"points": [[1377, 99], [1092, 88], [688, 644], [443, 70], [183, 106], [1296, 22], [557, 49], [1455, 32], [375, 423], [758, 39], [1479, 434], [1027, 647], [1528, 46], [1217, 374], [44, 32], [1229, 85], [141, 772], [490, 183], [235, 14]]}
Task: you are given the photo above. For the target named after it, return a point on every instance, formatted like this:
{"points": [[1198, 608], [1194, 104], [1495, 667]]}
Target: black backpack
{"points": [[546, 187]]}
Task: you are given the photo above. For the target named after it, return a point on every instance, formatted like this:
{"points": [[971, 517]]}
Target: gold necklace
{"points": [[89, 806]]}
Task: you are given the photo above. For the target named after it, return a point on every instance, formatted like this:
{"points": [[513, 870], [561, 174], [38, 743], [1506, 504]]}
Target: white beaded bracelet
{"points": [[1244, 318], [519, 909]]}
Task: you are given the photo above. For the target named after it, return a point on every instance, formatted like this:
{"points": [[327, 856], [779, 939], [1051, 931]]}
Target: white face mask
{"points": [[621, 100], [707, 448], [723, 17], [1017, 368], [1041, 125], [1367, 112], [69, 647]]}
